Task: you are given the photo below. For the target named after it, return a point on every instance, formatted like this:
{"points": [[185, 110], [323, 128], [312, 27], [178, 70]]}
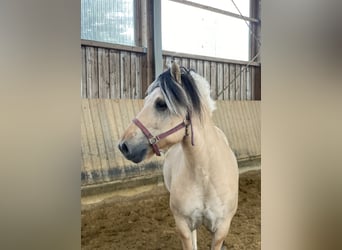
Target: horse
{"points": [[200, 169]]}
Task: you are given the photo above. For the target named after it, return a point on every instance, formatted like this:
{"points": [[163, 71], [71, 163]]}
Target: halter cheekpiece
{"points": [[153, 140]]}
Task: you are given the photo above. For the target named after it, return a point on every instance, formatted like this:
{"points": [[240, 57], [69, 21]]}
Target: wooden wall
{"points": [[112, 73], [103, 122], [121, 74], [229, 79]]}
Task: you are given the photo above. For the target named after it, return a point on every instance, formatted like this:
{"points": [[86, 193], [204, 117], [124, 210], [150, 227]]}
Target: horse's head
{"points": [[171, 99]]}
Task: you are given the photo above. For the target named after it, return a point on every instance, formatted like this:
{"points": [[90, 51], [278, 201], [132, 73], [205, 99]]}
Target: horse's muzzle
{"points": [[135, 153]]}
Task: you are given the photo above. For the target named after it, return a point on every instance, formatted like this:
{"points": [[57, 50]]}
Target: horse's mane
{"points": [[192, 96]]}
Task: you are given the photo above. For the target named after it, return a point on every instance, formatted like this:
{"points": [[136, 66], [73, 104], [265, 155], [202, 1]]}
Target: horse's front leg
{"points": [[184, 232], [220, 235]]}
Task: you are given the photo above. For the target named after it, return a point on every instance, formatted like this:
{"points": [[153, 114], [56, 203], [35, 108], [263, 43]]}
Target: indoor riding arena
{"points": [[125, 46]]}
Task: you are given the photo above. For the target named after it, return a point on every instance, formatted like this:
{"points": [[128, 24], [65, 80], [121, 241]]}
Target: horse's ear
{"points": [[175, 72]]}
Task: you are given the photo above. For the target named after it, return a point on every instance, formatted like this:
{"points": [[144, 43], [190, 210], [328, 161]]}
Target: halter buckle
{"points": [[153, 140]]}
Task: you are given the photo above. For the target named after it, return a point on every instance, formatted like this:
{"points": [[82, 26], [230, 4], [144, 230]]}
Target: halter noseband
{"points": [[154, 139]]}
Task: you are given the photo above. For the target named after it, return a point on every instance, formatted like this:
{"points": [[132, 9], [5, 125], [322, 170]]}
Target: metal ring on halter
{"points": [[153, 140]]}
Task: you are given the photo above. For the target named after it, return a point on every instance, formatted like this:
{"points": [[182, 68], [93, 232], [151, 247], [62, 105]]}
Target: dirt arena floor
{"points": [[144, 221]]}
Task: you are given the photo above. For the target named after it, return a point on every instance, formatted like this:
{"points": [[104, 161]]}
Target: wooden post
{"points": [[157, 38], [255, 47], [147, 39]]}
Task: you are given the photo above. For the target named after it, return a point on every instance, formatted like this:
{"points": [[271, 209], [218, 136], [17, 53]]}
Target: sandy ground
{"points": [[144, 221]]}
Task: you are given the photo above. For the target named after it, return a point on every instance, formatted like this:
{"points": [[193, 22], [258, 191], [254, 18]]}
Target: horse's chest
{"points": [[198, 209], [204, 215]]}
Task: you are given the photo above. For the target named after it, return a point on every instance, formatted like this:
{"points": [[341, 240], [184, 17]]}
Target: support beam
{"points": [[216, 10], [157, 35]]}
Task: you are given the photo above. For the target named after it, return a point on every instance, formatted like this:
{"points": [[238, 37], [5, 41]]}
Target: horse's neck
{"points": [[199, 153]]}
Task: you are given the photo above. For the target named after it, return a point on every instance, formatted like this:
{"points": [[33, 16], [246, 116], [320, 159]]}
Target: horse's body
{"points": [[202, 178]]}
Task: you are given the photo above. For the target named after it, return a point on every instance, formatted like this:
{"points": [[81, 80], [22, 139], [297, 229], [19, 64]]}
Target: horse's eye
{"points": [[161, 105]]}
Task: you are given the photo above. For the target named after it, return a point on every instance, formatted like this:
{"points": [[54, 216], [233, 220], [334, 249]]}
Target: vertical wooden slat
{"points": [[243, 83], [114, 74], [138, 79], [232, 80], [257, 93], [167, 63], [226, 81], [185, 62], [138, 23], [109, 144], [220, 80], [238, 83], [103, 66], [252, 82], [116, 113], [206, 71], [248, 80], [93, 149], [84, 73], [125, 65], [144, 79], [200, 67], [100, 143], [92, 74], [133, 69], [86, 152], [213, 80], [113, 135], [193, 64]]}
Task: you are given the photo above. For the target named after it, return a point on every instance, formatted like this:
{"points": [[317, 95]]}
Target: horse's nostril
{"points": [[123, 148]]}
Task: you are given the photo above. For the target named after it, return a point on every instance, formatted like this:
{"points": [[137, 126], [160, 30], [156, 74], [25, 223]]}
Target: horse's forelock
{"points": [[179, 98]]}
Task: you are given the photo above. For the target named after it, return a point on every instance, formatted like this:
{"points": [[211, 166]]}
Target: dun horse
{"points": [[200, 169]]}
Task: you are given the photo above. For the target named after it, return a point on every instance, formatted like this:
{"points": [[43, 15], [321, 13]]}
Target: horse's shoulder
{"points": [[221, 135]]}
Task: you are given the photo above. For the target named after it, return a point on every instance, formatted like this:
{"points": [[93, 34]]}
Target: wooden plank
{"points": [[137, 22], [150, 46], [133, 69], [248, 87], [109, 144], [257, 93], [121, 47], [86, 153], [125, 74], [100, 143], [219, 80], [193, 64], [226, 81], [185, 62], [144, 80], [206, 71], [243, 83], [208, 58], [115, 113], [143, 22], [252, 82], [84, 73], [92, 74], [114, 74], [213, 80], [93, 149], [103, 67], [167, 61], [200, 67], [232, 79], [238, 83], [138, 79]]}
